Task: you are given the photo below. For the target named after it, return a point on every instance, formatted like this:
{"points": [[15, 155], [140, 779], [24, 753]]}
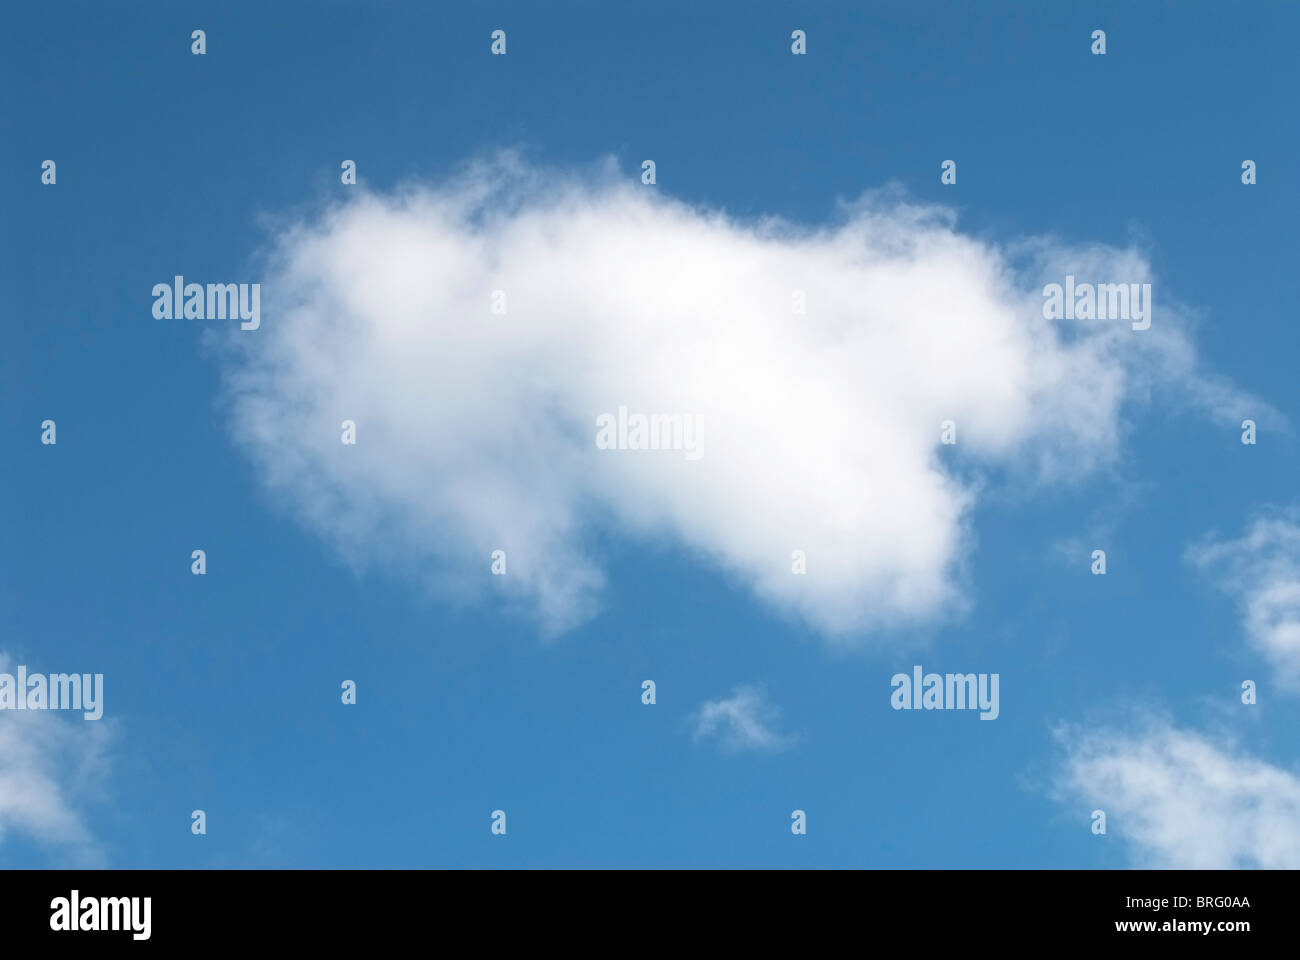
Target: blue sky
{"points": [[221, 692]]}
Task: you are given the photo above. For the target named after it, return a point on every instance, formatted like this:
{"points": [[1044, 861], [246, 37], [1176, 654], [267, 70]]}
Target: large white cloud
{"points": [[819, 431], [1261, 569], [1181, 799]]}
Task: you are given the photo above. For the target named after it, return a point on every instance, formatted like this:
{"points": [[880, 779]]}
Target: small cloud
{"points": [[1261, 570], [51, 767], [1181, 800], [746, 720]]}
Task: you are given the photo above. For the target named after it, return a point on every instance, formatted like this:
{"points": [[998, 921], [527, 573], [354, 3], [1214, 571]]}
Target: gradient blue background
{"points": [[225, 688]]}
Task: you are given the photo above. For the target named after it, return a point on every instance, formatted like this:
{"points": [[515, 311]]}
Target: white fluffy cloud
{"points": [[51, 766], [1261, 569], [746, 720], [819, 431], [1181, 800]]}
